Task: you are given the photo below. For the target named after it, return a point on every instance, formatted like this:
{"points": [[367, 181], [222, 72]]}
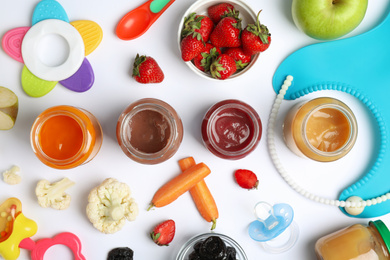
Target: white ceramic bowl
{"points": [[200, 7], [188, 247]]}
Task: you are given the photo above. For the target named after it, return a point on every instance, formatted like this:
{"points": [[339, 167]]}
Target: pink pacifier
{"points": [[16, 230]]}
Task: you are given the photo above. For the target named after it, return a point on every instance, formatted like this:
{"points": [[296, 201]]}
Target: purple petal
{"points": [[82, 80]]}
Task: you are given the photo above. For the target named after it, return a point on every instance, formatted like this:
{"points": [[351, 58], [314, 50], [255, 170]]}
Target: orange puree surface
{"points": [[327, 129], [353, 243], [61, 137]]}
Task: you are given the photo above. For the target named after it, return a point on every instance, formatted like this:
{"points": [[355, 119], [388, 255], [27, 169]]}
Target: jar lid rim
{"points": [[383, 231]]}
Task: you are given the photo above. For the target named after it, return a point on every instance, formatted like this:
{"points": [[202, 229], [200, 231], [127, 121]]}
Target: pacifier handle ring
{"points": [[289, 180], [294, 233]]}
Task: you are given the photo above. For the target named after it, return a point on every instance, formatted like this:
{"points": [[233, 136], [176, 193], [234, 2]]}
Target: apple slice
{"points": [[9, 106]]}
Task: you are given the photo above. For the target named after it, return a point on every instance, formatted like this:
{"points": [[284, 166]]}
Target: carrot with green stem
{"points": [[201, 195], [174, 188]]}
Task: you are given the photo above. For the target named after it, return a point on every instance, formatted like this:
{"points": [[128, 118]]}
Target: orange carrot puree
{"points": [[61, 137]]}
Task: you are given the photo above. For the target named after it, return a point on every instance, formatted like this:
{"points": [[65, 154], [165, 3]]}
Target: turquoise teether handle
{"points": [[157, 5]]}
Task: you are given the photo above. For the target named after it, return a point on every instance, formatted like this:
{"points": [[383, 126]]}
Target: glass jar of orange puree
{"points": [[356, 242], [64, 137], [323, 129]]}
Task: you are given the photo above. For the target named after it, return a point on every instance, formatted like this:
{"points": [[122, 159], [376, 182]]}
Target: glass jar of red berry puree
{"points": [[231, 129]]}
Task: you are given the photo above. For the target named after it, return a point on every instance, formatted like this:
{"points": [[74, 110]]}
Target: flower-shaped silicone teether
{"points": [[82, 38], [14, 227]]}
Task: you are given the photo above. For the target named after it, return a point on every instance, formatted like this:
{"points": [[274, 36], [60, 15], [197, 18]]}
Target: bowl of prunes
{"points": [[211, 246]]}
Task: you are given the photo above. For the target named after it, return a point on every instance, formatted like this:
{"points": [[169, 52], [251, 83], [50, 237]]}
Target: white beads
{"points": [[354, 209], [353, 205]]}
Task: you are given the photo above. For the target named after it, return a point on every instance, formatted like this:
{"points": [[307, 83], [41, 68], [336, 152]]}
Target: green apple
{"points": [[9, 106], [328, 19]]}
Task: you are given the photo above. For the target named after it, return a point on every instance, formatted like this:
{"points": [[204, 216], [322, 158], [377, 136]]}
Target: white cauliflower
{"points": [[11, 176], [53, 194], [110, 205]]}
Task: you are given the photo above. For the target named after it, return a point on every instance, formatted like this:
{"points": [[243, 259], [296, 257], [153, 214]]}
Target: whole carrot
{"points": [[179, 185], [201, 195]]}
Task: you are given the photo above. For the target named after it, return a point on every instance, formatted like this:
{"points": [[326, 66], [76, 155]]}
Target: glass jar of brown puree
{"points": [[149, 131], [323, 129], [356, 242]]}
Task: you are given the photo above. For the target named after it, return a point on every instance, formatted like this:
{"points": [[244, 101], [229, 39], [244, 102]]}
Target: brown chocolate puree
{"points": [[149, 131]]}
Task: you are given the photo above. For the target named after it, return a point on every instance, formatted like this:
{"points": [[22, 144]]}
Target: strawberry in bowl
{"points": [[221, 24]]}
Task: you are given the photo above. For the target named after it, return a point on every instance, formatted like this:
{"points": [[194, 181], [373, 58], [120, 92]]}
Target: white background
{"points": [[191, 96]]}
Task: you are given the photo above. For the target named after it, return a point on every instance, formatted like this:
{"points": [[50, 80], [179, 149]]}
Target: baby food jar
{"points": [[149, 131], [323, 129], [356, 242], [64, 137], [231, 129]]}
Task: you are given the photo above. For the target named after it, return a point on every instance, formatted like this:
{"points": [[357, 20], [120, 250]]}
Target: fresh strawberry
{"points": [[223, 67], [197, 23], [164, 233], [255, 38], [191, 46], [146, 70], [226, 33], [206, 57], [242, 60], [219, 11], [246, 179]]}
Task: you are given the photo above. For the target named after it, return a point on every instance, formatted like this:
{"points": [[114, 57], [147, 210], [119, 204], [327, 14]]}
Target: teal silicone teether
{"points": [[342, 65]]}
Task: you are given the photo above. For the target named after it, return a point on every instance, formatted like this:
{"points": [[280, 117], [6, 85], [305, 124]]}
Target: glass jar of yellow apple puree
{"points": [[356, 242], [323, 129]]}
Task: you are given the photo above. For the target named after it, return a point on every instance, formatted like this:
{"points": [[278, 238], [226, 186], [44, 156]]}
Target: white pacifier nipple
{"points": [[271, 222]]}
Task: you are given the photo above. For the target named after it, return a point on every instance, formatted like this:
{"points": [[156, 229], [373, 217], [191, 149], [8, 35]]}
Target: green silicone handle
{"points": [[157, 5]]}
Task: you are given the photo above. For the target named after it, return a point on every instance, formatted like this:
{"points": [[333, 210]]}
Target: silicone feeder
{"points": [[271, 222]]}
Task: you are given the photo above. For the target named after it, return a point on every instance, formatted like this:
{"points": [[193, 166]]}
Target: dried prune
{"points": [[231, 253], [213, 248], [194, 256], [120, 253]]}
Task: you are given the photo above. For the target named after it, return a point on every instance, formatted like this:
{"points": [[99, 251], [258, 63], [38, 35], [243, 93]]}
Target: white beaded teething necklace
{"points": [[353, 205]]}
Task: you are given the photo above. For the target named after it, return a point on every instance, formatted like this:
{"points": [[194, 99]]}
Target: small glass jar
{"points": [[323, 129], [356, 242], [231, 129], [64, 137], [149, 131]]}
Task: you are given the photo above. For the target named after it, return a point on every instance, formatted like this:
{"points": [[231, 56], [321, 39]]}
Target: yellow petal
{"points": [[91, 33]]}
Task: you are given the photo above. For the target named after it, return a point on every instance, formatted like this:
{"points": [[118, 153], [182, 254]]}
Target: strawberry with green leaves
{"points": [[246, 179], [206, 57], [242, 60], [164, 233], [222, 10], [146, 70], [255, 38], [227, 33], [191, 46], [223, 67], [197, 23]]}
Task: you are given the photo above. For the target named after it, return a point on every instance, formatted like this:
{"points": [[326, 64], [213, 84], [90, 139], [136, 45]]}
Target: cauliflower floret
{"points": [[53, 194], [11, 177], [110, 205]]}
